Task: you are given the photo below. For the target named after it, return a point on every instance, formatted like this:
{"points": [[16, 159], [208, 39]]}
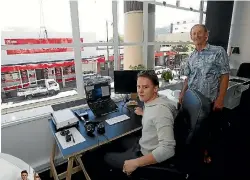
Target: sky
{"points": [[55, 15]]}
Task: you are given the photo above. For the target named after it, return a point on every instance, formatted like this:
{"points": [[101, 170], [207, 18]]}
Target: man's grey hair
{"points": [[201, 25]]}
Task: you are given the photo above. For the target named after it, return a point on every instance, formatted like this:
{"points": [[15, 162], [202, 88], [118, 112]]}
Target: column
{"points": [[133, 33], [240, 34], [218, 20]]}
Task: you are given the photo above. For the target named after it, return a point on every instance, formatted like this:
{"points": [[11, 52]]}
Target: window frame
{"points": [[77, 45]]}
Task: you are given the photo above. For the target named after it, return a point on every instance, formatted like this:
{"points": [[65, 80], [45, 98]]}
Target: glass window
{"points": [[171, 2], [134, 33], [95, 20], [35, 19], [173, 57], [36, 23], [194, 4], [169, 28], [205, 6]]}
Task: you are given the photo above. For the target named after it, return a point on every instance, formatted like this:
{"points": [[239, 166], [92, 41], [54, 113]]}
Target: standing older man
{"points": [[207, 68]]}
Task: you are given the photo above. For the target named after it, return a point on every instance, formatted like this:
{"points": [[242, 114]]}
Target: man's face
{"points": [[199, 35], [24, 176], [146, 89]]}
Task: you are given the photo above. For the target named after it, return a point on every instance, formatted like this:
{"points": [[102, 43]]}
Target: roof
{"points": [[174, 37]]}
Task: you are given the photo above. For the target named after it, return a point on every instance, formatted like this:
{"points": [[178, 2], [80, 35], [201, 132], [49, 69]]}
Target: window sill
{"points": [[36, 104]]}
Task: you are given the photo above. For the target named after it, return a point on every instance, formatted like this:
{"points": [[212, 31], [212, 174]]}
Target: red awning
{"points": [[158, 54], [48, 65]]}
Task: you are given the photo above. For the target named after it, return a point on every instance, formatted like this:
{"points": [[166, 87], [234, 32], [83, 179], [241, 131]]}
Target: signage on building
{"points": [[38, 41]]}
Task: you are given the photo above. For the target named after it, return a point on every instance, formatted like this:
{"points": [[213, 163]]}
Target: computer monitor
{"points": [[97, 91], [125, 81]]}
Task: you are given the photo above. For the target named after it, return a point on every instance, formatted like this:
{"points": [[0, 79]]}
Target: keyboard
{"points": [[117, 119], [103, 108]]}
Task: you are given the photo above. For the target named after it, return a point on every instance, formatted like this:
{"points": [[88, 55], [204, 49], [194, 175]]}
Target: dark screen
{"points": [[125, 82]]}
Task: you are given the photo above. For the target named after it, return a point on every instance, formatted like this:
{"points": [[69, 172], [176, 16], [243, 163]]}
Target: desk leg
{"points": [[79, 160], [69, 169], [52, 165]]}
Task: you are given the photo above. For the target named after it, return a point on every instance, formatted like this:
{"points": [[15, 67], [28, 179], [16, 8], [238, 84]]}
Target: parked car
{"points": [[43, 87], [160, 69], [95, 77]]}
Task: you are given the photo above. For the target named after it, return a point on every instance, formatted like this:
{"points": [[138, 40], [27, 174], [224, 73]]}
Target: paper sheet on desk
{"points": [[76, 134]]}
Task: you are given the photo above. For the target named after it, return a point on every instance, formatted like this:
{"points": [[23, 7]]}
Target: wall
{"points": [[30, 140], [240, 33]]}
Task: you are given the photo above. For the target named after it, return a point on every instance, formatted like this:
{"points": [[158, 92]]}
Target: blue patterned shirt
{"points": [[204, 69]]}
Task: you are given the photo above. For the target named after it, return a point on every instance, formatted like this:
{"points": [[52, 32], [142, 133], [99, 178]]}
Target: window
{"points": [[39, 33], [194, 4], [41, 46]]}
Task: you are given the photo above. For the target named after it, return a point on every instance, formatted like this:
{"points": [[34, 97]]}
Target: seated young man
{"points": [[157, 142]]}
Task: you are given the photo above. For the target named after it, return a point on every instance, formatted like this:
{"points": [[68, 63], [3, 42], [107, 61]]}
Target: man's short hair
{"points": [[24, 171], [151, 75], [201, 25]]}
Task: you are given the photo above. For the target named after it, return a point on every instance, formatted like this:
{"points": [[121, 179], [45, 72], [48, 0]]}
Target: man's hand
{"points": [[130, 166], [218, 104], [138, 111], [181, 97]]}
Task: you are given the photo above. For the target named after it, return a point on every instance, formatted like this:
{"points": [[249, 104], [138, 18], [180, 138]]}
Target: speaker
{"points": [[90, 127]]}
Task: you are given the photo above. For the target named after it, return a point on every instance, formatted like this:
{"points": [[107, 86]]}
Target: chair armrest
{"points": [[155, 171]]}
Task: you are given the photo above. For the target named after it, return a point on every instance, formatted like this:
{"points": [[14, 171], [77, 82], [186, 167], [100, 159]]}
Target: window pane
{"points": [[171, 57], [48, 78], [204, 19], [43, 18], [95, 17], [130, 22], [29, 75], [205, 6], [171, 2], [194, 4], [173, 24]]}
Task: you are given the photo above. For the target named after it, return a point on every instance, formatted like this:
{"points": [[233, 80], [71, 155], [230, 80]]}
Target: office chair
{"points": [[191, 135], [244, 70]]}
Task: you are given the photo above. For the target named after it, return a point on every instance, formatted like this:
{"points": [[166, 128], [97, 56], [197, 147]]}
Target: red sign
{"points": [[39, 41], [46, 65]]}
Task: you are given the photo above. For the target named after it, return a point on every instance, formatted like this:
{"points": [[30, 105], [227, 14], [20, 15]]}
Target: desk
{"points": [[112, 132]]}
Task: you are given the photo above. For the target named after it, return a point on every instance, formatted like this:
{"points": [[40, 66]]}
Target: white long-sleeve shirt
{"points": [[157, 132]]}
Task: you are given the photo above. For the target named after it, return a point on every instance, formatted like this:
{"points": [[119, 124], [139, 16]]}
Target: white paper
{"points": [[76, 134], [105, 91]]}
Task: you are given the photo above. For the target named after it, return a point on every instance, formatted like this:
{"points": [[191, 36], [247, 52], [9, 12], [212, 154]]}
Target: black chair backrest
{"points": [[191, 129], [244, 70]]}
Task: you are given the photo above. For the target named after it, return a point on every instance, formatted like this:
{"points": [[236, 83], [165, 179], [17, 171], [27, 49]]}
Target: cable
{"points": [[97, 140], [106, 138]]}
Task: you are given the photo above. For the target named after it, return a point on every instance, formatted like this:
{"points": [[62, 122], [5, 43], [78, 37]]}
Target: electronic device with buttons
{"points": [[64, 119], [98, 96]]}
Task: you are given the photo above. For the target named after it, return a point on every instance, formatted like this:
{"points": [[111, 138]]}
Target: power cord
{"points": [[97, 140], [106, 138]]}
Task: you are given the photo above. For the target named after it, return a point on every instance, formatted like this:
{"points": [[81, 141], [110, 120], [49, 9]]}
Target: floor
{"points": [[231, 161]]}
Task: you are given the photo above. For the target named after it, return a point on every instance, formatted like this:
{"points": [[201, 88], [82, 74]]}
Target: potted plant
{"points": [[167, 75], [138, 67]]}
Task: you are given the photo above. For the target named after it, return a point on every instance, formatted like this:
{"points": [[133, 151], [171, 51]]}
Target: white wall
{"points": [[31, 141], [240, 33], [24, 58], [179, 28]]}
